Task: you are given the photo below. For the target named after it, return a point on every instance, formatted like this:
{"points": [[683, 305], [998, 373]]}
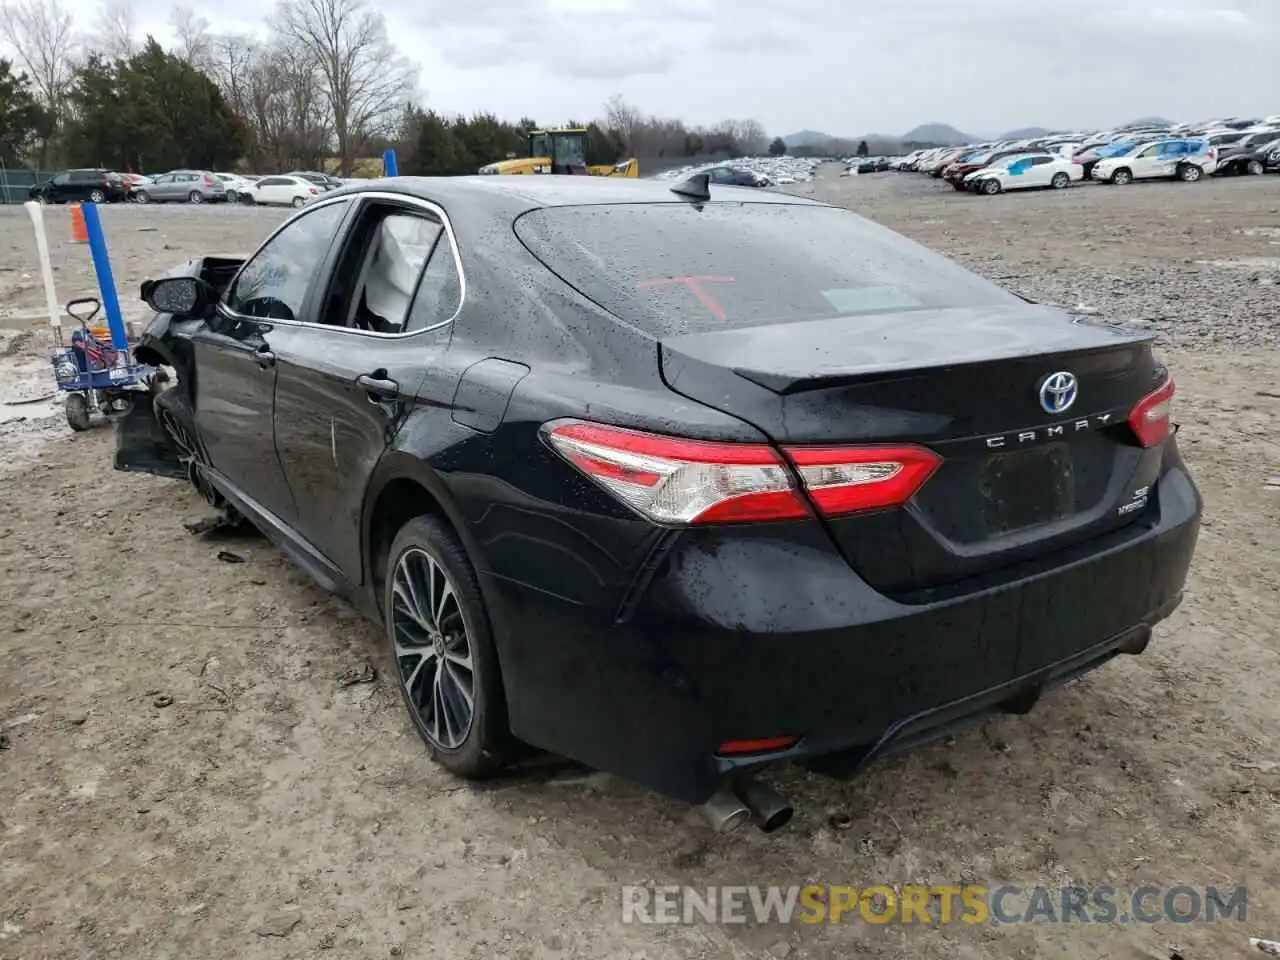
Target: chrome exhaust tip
{"points": [[769, 810], [725, 812]]}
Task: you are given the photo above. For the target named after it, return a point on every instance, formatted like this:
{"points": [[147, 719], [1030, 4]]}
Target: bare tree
{"points": [[365, 81], [752, 138], [114, 28], [40, 33], [194, 43], [623, 120], [276, 91]]}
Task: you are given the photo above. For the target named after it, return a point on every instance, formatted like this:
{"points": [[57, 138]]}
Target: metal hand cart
{"points": [[97, 377]]}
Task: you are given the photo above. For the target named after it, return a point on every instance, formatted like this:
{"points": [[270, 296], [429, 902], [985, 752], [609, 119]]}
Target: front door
{"points": [[345, 387], [160, 188], [236, 358], [1153, 161]]}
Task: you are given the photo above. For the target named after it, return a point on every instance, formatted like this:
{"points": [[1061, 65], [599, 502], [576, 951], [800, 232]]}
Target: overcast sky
{"points": [[844, 67]]}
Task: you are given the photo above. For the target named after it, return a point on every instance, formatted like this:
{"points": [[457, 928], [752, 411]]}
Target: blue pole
{"points": [[389, 166], [106, 282]]}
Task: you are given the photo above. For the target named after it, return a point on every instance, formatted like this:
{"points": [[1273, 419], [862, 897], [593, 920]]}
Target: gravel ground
{"points": [[182, 773]]}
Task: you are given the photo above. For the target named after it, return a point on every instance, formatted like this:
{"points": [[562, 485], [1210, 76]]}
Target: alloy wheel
{"points": [[432, 648]]}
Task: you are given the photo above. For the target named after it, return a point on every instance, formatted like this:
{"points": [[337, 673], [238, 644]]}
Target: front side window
{"points": [[275, 281]]}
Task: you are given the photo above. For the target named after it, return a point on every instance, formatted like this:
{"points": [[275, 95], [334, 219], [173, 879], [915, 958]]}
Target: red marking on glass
{"points": [[694, 286]]}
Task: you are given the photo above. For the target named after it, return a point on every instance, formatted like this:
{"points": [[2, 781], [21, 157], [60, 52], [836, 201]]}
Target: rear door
{"points": [[348, 380], [236, 362], [81, 184]]}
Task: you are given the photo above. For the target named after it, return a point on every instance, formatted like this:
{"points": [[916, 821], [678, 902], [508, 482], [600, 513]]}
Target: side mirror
{"points": [[180, 296]]}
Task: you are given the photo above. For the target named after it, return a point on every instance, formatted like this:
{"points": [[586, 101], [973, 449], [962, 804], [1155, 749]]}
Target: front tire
{"points": [[1122, 176], [441, 643], [990, 187], [140, 196], [1060, 181], [1255, 168]]}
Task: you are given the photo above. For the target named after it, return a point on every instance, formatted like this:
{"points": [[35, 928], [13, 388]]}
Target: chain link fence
{"points": [[16, 183]]}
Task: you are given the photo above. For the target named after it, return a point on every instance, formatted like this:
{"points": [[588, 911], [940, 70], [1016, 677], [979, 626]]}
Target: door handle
{"points": [[378, 388], [264, 358]]}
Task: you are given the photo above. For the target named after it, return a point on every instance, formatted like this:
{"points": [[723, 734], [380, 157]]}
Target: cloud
{"points": [[842, 66]]}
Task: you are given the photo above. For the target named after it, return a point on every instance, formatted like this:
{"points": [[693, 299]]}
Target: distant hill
{"points": [[937, 133], [1150, 122], [807, 138], [1026, 133]]}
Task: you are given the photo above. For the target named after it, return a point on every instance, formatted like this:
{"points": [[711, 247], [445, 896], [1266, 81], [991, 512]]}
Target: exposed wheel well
{"points": [[398, 502]]}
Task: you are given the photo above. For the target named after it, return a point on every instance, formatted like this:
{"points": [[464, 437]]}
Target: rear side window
{"points": [[671, 268]]}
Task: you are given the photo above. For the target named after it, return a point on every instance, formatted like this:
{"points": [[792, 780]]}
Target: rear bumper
{"points": [[750, 634]]}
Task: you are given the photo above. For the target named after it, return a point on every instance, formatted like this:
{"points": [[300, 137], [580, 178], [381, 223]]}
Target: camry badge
{"points": [[1058, 392]]}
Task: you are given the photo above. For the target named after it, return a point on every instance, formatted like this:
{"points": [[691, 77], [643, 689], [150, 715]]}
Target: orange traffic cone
{"points": [[79, 234]]}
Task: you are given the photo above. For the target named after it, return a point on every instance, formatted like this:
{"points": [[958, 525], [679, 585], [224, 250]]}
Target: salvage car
{"points": [[1025, 171], [680, 481], [1183, 159], [1254, 159]]}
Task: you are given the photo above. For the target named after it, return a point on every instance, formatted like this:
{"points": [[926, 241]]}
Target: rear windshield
{"points": [[671, 268]]}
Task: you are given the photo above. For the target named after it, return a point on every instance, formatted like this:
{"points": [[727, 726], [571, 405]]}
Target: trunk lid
{"points": [[1017, 480]]}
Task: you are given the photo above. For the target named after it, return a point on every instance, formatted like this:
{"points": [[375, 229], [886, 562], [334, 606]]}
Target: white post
{"points": [[46, 268]]}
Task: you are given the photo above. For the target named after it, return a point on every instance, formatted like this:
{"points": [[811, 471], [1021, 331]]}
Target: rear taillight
{"points": [[672, 480], [311, 189], [1149, 417], [843, 480], [207, 180]]}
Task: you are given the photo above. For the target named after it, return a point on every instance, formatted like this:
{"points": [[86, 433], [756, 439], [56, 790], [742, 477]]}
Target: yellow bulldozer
{"points": [[561, 152]]}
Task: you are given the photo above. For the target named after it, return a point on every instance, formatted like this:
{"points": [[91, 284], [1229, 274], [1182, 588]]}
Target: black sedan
{"points": [[678, 481]]}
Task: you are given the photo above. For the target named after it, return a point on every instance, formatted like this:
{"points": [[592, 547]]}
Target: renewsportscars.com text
{"points": [[934, 905]]}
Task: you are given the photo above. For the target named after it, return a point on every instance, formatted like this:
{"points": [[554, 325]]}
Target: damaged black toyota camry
{"points": [[678, 482]]}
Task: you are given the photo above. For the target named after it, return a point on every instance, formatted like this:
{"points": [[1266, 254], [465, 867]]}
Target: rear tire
{"points": [[97, 196], [1122, 176], [1189, 173], [299, 201], [77, 410], [195, 196], [432, 604], [1059, 181]]}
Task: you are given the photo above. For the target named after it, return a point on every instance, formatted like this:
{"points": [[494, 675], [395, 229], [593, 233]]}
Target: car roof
{"points": [[516, 194]]}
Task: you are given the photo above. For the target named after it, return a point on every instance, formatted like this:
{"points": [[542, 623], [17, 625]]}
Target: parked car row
{"points": [[99, 185], [1186, 152], [750, 171]]}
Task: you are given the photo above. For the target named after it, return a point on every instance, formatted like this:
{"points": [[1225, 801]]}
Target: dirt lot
{"points": [[181, 764]]}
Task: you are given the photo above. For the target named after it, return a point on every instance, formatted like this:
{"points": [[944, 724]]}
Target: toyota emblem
{"points": [[1058, 392]]}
